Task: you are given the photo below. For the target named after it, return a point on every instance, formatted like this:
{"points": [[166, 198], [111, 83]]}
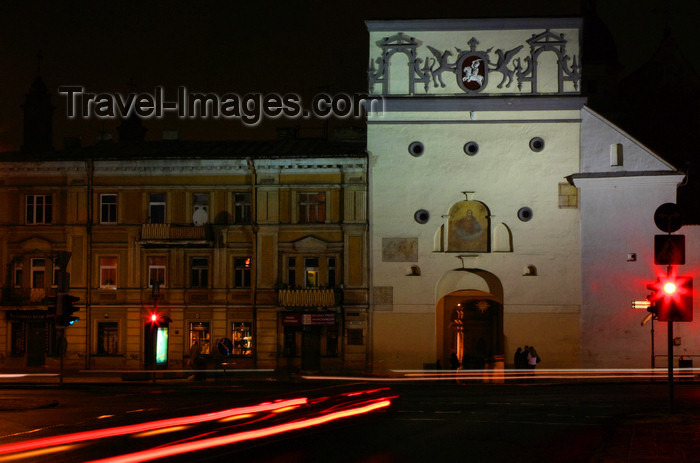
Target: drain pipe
{"points": [[254, 254], [90, 170]]}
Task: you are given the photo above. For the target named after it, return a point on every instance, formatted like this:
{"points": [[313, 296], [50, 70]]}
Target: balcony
{"points": [[307, 298], [174, 235], [24, 296]]}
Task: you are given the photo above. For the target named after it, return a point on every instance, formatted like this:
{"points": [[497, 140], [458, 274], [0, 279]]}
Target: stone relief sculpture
{"points": [[471, 67]]}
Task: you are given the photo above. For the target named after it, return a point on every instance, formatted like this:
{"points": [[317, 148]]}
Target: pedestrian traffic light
{"points": [[672, 299], [65, 310]]}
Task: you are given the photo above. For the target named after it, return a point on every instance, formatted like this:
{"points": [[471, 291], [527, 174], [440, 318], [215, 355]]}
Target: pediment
{"points": [[398, 40], [547, 38], [310, 244], [36, 243]]}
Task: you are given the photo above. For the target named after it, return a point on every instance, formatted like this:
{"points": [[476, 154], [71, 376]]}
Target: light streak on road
{"points": [[507, 375], [205, 444], [38, 453], [143, 427]]}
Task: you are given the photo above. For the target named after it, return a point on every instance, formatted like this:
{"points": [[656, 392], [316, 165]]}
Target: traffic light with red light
{"points": [[672, 299], [65, 310]]}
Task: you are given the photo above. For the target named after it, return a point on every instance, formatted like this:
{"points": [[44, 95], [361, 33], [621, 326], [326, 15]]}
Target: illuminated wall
{"points": [[483, 129], [448, 138]]}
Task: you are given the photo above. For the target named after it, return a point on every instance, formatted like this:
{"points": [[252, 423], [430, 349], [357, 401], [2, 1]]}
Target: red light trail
{"points": [[148, 426], [204, 444]]}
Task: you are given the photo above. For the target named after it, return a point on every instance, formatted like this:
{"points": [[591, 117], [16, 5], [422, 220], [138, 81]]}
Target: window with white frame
{"points": [[199, 272], [108, 272], [108, 208], [241, 271], [56, 277], [242, 208], [39, 209], [38, 273], [156, 271], [312, 207], [156, 208]]}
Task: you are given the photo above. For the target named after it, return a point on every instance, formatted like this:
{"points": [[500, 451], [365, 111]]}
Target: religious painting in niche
{"points": [[399, 249], [468, 227]]}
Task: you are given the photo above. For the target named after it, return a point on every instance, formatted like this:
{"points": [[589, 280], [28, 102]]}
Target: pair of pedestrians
{"points": [[526, 358]]}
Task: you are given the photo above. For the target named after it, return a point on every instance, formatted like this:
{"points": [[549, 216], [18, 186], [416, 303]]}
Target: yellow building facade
{"points": [[252, 253]]}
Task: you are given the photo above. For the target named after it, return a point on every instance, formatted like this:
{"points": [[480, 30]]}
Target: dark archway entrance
{"points": [[473, 329]]}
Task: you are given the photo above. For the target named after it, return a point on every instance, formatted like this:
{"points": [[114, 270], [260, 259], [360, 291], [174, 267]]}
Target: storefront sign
{"points": [[306, 319]]}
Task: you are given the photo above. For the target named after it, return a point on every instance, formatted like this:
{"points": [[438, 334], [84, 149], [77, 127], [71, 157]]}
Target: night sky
{"points": [[302, 47]]}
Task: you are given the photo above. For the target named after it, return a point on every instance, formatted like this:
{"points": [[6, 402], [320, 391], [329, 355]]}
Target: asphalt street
{"points": [[440, 421]]}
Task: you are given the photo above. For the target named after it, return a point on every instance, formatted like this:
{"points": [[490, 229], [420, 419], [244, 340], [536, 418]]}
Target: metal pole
{"points": [[670, 366], [653, 360], [670, 356]]}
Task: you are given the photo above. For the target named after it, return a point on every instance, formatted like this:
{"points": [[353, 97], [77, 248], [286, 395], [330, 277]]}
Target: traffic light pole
{"points": [[670, 357], [670, 366], [653, 359]]}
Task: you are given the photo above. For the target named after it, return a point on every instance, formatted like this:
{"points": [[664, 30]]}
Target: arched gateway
{"points": [[469, 322]]}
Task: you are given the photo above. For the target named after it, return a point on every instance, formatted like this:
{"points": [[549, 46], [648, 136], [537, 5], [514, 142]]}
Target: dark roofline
{"points": [[299, 148]]}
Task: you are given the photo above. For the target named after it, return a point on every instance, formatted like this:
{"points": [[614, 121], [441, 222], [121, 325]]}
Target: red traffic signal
{"points": [[672, 299], [157, 319]]}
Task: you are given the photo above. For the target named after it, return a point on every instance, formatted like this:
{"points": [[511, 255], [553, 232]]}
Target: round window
{"points": [[525, 214], [471, 148], [416, 148], [537, 144], [421, 216]]}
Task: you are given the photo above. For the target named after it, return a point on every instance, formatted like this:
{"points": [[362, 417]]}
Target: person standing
{"points": [[532, 358], [518, 359]]}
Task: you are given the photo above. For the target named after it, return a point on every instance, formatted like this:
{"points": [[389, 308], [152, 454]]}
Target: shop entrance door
{"points": [[311, 348]]}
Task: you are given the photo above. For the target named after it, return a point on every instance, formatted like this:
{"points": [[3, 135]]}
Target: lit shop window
{"points": [[199, 335], [242, 339]]}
